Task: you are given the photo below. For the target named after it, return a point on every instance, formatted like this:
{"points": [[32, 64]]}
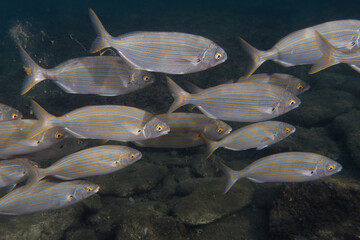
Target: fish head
{"points": [[126, 157], [327, 167], [142, 78], [49, 137], [216, 129], [155, 128], [287, 103], [81, 190], [9, 113], [213, 55], [298, 86], [284, 130]]}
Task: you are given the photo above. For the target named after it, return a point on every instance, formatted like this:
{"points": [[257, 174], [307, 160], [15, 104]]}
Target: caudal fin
{"points": [[328, 59], [192, 87], [258, 57], [102, 35], [43, 124], [34, 72], [179, 95], [233, 176], [211, 145]]}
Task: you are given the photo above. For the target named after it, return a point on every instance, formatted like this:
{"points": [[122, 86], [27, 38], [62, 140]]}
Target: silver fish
{"points": [[167, 52], [109, 122], [186, 129], [332, 56], [46, 195], [59, 149], [101, 75], [292, 84], [285, 167], [93, 161], [9, 113], [301, 47], [257, 135], [245, 102], [13, 141], [14, 171]]}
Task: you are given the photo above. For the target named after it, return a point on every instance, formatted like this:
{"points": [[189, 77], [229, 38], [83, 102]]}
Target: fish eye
{"points": [[70, 197], [287, 130], [220, 130], [331, 167], [218, 55], [38, 142], [300, 87], [79, 141], [58, 135], [159, 128], [132, 156], [14, 116], [146, 78], [292, 102], [89, 189]]}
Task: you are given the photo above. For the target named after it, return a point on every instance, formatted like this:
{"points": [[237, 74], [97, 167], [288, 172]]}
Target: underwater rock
{"points": [[137, 178], [319, 107], [80, 233], [44, 225], [93, 203], [324, 209], [207, 202], [249, 224], [316, 140], [346, 127]]}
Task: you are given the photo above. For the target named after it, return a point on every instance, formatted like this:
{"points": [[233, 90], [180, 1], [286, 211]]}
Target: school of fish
{"points": [[253, 98]]}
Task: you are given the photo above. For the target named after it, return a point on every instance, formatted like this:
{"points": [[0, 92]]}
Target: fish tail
{"points": [[44, 120], [192, 87], [233, 176], [102, 35], [211, 145], [179, 95], [34, 73], [258, 57], [328, 58]]}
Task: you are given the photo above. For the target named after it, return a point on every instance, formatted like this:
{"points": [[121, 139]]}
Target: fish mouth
{"points": [[228, 131], [97, 189]]}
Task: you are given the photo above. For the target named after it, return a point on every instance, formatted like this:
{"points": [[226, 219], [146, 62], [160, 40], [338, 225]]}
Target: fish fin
{"points": [[102, 142], [34, 73], [206, 112], [233, 176], [261, 147], [306, 172], [102, 35], [139, 143], [328, 59], [74, 134], [283, 63], [66, 89], [29, 142], [179, 95], [192, 87], [355, 67], [254, 180], [211, 145], [44, 120], [258, 57], [9, 188]]}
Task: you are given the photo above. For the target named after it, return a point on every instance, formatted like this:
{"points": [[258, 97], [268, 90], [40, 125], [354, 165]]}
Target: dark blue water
{"points": [[177, 194]]}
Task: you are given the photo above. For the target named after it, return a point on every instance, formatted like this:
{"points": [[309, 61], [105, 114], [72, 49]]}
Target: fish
{"points": [[93, 161], [257, 135], [46, 195], [14, 171], [331, 56], [14, 142], [100, 75], [8, 113], [186, 129], [166, 52], [285, 167], [59, 149], [245, 102], [300, 47], [108, 122], [292, 84]]}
